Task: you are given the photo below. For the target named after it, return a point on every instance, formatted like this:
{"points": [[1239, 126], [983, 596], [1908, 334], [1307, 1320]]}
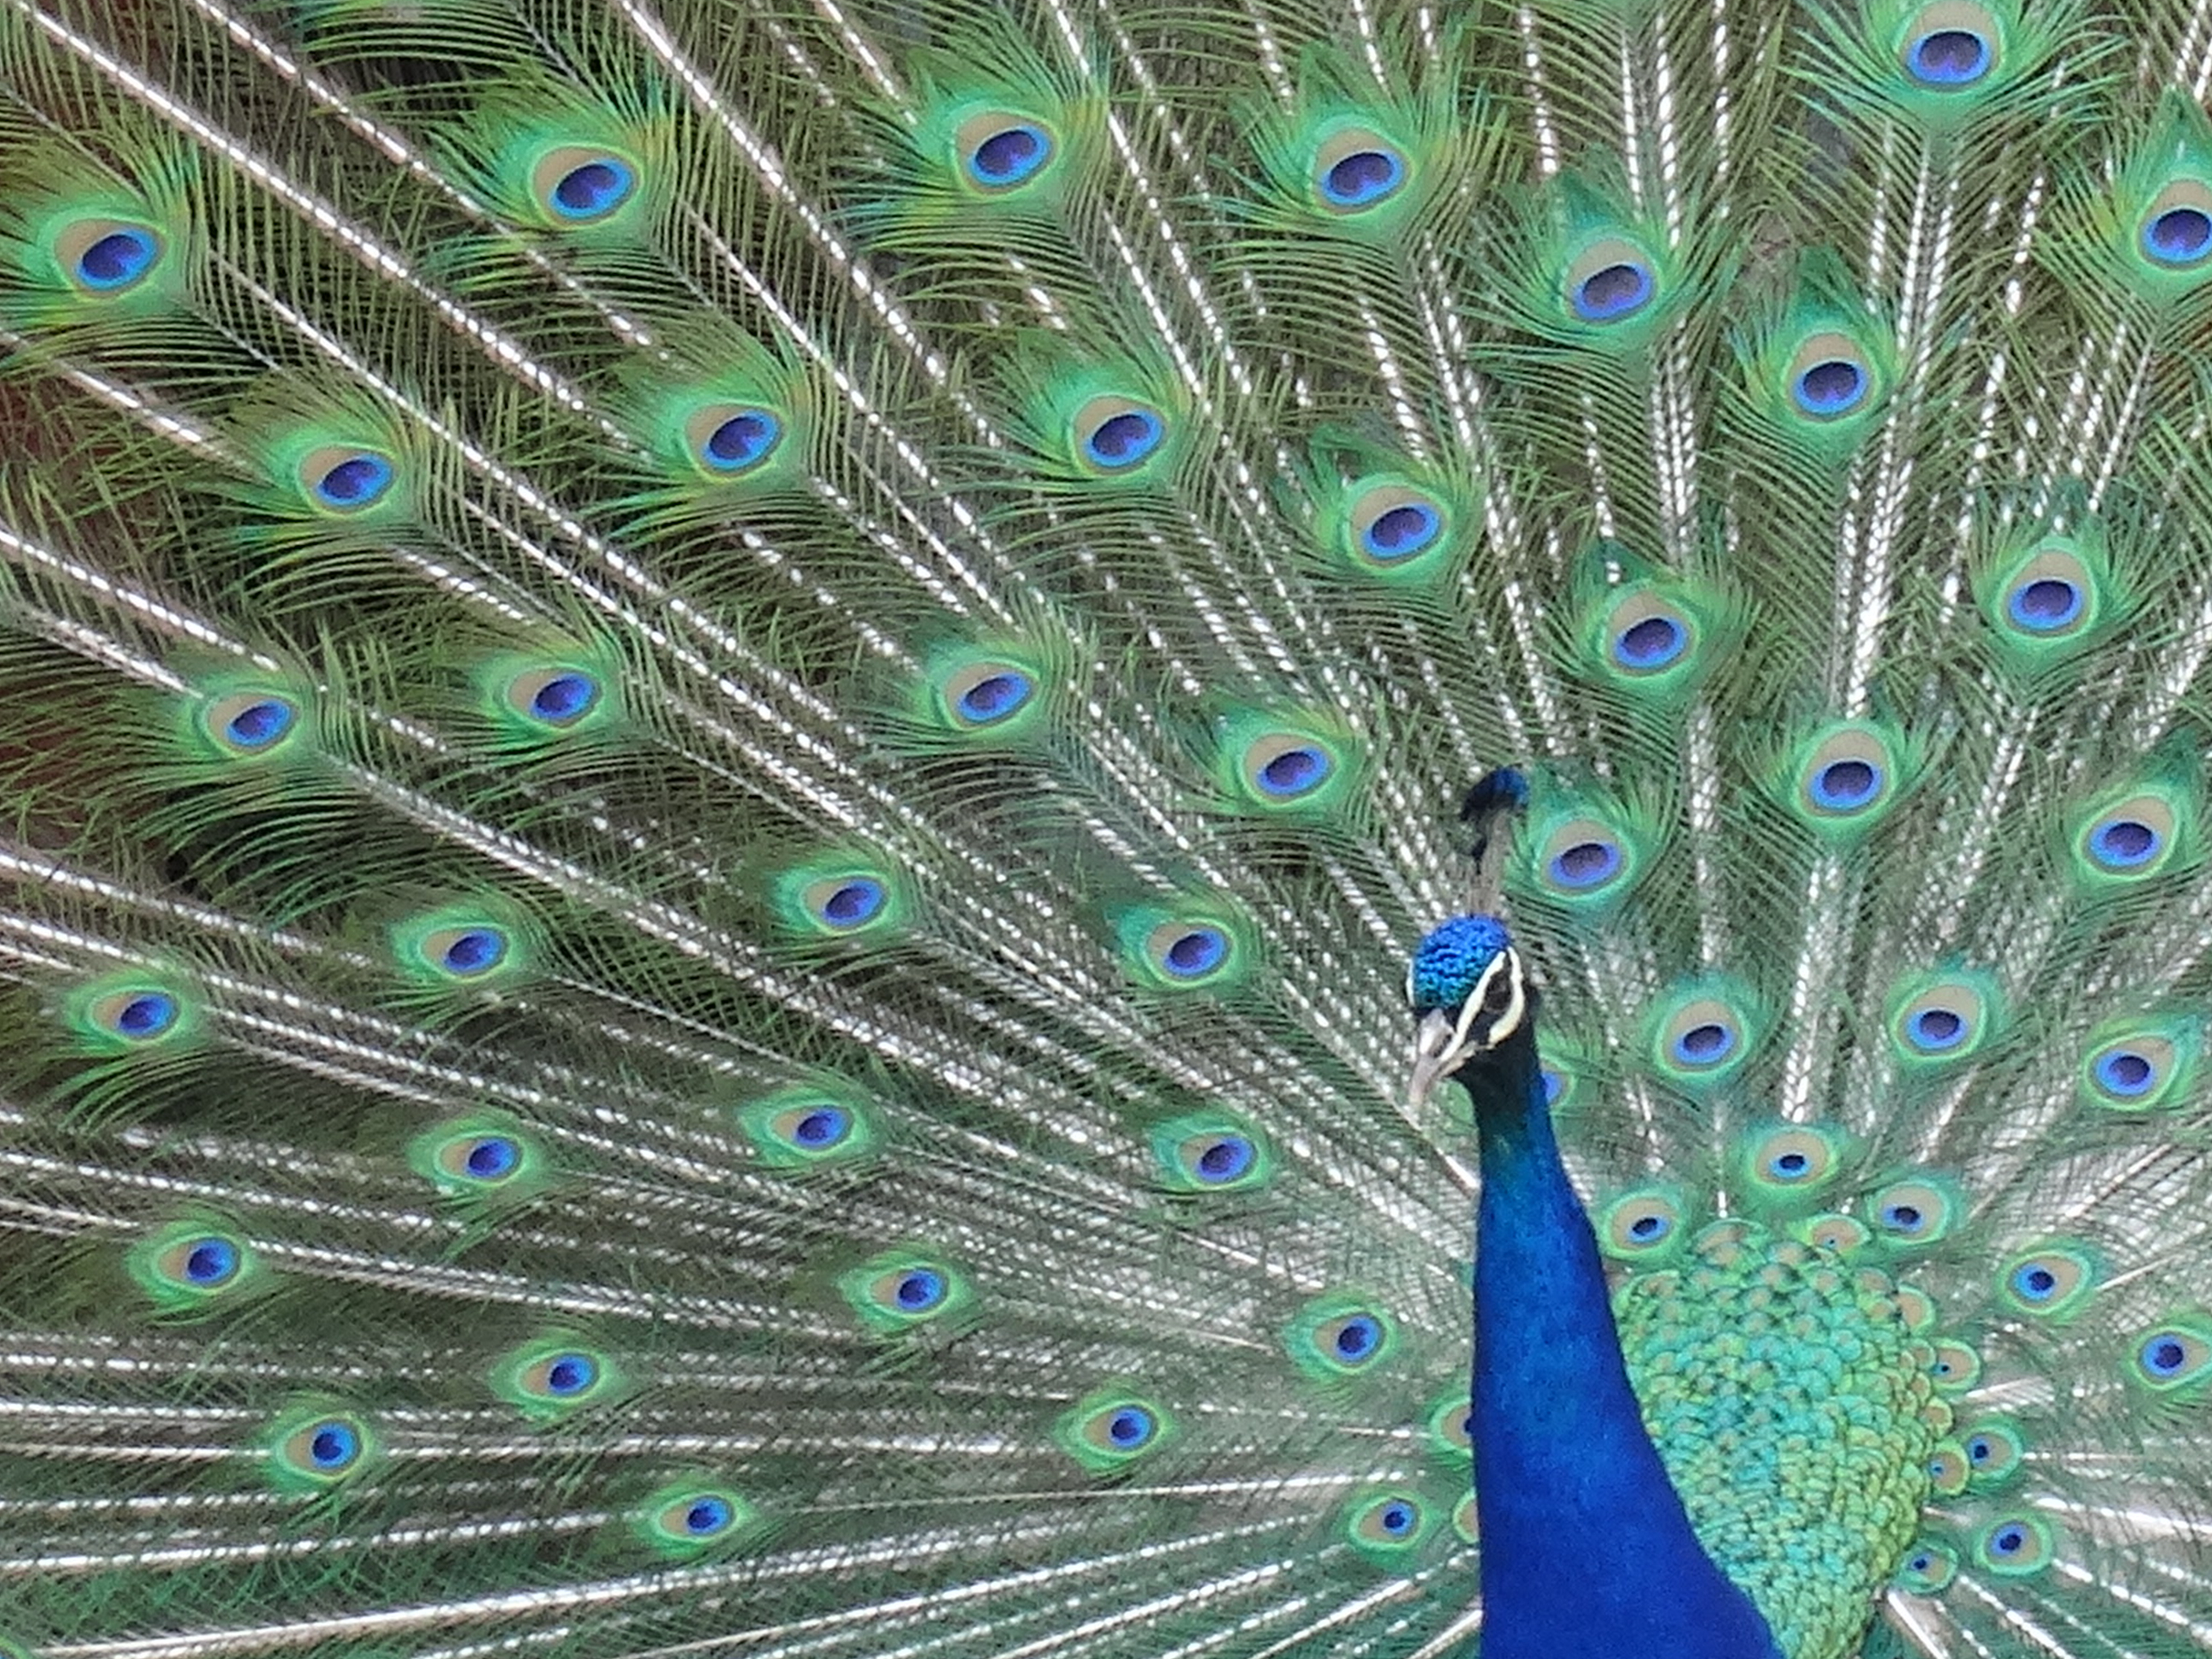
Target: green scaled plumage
{"points": [[723, 724]]}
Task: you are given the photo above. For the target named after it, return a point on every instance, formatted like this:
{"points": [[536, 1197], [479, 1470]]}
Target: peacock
{"points": [[1038, 829]]}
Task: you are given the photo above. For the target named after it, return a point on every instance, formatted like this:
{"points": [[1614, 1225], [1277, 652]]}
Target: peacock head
{"points": [[1471, 994]]}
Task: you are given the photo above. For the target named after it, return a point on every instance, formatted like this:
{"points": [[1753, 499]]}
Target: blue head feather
{"points": [[1448, 964]]}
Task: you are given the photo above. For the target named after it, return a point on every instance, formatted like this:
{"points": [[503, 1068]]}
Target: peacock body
{"points": [[726, 725]]}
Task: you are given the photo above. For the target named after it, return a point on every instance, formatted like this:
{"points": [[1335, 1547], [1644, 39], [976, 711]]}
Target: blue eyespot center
{"points": [[706, 1516], [1012, 155], [920, 1290], [148, 1014], [1586, 864], [1363, 178], [1225, 1158], [2124, 843], [1402, 530], [995, 696], [1612, 292], [1396, 1519], [1645, 1228], [1123, 440], [211, 1262], [1933, 1029], [2035, 1282], [743, 440], [356, 482], [2123, 1071], [1294, 771], [1789, 1166], [2178, 236], [333, 1446], [825, 1126], [491, 1158], [854, 903], [593, 189], [2164, 1355], [1130, 1426], [564, 697], [1831, 387], [2046, 604], [1845, 785], [1555, 1084], [1907, 1219], [571, 1374], [1949, 58], [1705, 1044], [474, 950], [1651, 642], [260, 723], [1358, 1337], [118, 259], [2007, 1540], [1196, 953]]}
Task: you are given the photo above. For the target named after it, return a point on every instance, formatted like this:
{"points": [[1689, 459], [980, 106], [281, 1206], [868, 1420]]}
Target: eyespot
{"points": [[245, 723], [901, 1288], [476, 1159], [1646, 634], [1118, 434], [190, 1267], [1952, 47], [136, 1016], [1390, 523], [1913, 1213], [1111, 1429], [1847, 774], [558, 697], [999, 152], [1356, 169], [1581, 858], [2141, 1066], [1340, 1336], [979, 695], [1389, 1523], [548, 1378], [2131, 838], [1610, 281], [1955, 1367], [342, 479], [1928, 1569], [1994, 1450], [2175, 232], [207, 1262], [1209, 1152], [1467, 1520], [2051, 1283], [468, 952], [726, 440], [688, 1518], [1189, 952], [1282, 767], [1451, 1427], [1948, 1470], [1641, 1225], [107, 257], [1943, 1021], [576, 184], [1842, 1234], [802, 1128], [2176, 1356], [1701, 1035], [2015, 1545], [329, 1448], [2049, 596], [1792, 1158], [1829, 377]]}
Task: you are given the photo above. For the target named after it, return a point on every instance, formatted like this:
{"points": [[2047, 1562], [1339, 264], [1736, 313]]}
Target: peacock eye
{"points": [[1498, 995]]}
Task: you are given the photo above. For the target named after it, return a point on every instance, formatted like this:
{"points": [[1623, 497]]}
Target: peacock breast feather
{"points": [[1795, 1406]]}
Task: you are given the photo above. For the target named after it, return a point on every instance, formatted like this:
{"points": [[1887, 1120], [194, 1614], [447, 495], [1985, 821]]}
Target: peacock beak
{"points": [[1440, 1046]]}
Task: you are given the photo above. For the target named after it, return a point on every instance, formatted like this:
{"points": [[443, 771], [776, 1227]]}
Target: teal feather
{"points": [[723, 726]]}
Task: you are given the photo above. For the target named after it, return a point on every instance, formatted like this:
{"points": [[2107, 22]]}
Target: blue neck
{"points": [[1586, 1551]]}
